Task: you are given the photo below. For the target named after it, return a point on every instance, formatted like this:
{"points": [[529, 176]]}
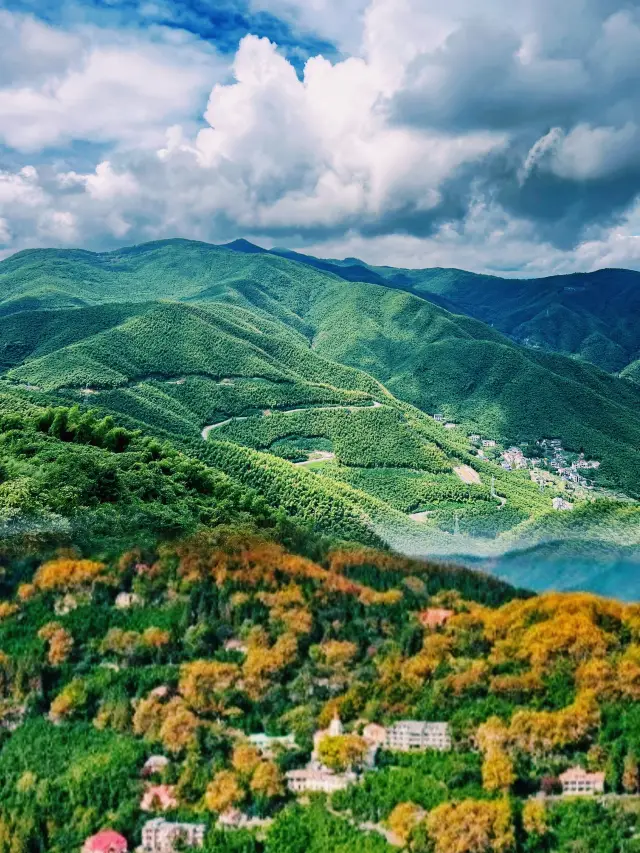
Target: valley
{"points": [[320, 393]]}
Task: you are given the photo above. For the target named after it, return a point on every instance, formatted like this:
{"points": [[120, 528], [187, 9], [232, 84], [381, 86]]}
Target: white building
{"points": [[488, 442], [266, 744], [450, 425], [310, 779], [439, 418], [409, 735], [560, 504], [578, 782], [125, 600], [155, 764], [163, 836]]}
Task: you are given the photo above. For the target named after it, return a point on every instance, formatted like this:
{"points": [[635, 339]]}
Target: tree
{"points": [[472, 826], [338, 652], [155, 638], [534, 818], [60, 642], [403, 820], [497, 771], [267, 780], [179, 726], [342, 752], [630, 774], [67, 574], [70, 700], [245, 759], [223, 792], [203, 684]]}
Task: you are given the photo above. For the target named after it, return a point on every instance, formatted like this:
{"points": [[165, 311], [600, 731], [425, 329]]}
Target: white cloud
{"points": [[422, 147], [99, 86], [339, 21]]}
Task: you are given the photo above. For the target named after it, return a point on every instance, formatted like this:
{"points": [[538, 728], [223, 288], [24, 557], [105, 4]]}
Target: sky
{"points": [[499, 136]]}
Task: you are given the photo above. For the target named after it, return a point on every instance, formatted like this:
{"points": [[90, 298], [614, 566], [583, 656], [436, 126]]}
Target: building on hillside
{"points": [[439, 418], [266, 744], [474, 437], [410, 735], [577, 782], [158, 798], [154, 764], [106, 841], [488, 442], [162, 836], [450, 425], [314, 780], [125, 600], [236, 819], [560, 504], [374, 733], [435, 617], [235, 645]]}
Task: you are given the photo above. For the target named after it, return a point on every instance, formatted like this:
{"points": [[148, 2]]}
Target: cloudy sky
{"points": [[501, 135]]}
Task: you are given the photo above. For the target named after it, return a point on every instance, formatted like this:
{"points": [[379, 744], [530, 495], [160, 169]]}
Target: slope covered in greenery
{"points": [[280, 367], [424, 354], [590, 315], [185, 647]]}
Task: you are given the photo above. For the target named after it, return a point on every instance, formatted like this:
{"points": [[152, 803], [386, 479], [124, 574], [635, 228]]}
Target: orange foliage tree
{"points": [[472, 826]]}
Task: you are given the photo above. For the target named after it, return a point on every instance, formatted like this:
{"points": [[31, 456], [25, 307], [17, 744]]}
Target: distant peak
{"points": [[243, 245]]}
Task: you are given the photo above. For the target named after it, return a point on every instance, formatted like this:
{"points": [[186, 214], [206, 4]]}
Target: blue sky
{"points": [[500, 137]]}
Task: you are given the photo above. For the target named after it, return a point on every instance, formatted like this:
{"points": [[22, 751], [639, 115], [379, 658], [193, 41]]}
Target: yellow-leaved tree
{"points": [[342, 752], [403, 820], [472, 826], [267, 780], [223, 792], [245, 759]]}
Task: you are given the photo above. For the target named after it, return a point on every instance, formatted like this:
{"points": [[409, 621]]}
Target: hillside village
{"points": [[552, 465], [340, 759]]}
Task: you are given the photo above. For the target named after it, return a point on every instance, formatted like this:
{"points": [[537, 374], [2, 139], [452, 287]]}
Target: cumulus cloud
{"points": [[95, 85], [498, 136]]}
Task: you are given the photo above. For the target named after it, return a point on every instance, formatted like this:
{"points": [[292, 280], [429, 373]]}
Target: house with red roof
{"points": [[107, 841], [435, 617]]}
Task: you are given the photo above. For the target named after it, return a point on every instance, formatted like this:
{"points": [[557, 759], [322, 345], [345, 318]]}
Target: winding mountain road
{"points": [[267, 413]]}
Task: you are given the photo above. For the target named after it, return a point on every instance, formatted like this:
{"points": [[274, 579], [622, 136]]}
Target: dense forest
{"points": [[213, 504], [186, 640]]}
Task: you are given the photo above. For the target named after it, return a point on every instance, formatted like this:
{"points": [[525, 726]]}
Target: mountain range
{"points": [[314, 383]]}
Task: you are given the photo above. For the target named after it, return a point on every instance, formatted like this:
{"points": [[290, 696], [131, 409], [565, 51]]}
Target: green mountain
{"points": [[316, 393], [589, 315]]}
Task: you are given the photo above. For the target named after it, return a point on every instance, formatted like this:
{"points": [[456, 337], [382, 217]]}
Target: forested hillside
{"points": [[193, 679], [317, 394], [589, 315]]}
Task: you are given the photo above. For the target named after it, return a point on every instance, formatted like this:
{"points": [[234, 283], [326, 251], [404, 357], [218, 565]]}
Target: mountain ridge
{"points": [[280, 365]]}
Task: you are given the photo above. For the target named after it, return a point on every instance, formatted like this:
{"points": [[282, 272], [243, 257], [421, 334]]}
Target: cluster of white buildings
{"points": [[402, 736], [558, 462], [513, 459]]}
